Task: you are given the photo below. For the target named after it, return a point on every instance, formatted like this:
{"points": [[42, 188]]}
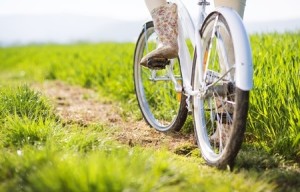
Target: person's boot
{"points": [[165, 20]]}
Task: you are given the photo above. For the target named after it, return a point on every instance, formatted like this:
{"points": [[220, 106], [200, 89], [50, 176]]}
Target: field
{"points": [[44, 150]]}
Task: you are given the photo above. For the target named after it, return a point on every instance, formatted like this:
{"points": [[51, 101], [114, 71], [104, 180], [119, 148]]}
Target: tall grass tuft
{"points": [[18, 131], [25, 116], [24, 103], [275, 101]]}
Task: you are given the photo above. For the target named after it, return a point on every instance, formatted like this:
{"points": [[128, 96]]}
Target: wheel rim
{"points": [[214, 113], [158, 100]]}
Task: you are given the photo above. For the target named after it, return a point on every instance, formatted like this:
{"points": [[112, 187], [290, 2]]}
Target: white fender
{"points": [[242, 49]]}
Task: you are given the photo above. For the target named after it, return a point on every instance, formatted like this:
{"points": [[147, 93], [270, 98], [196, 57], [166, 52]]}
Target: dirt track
{"points": [[79, 105]]}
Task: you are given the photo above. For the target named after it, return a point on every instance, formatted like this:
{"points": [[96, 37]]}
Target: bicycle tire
{"points": [[157, 99], [219, 110]]}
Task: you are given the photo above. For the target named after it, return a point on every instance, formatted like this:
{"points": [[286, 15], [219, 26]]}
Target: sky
{"points": [[256, 10], [130, 10]]}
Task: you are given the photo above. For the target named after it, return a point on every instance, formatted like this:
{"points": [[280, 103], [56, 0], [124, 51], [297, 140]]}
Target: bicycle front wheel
{"points": [[162, 106], [220, 112]]}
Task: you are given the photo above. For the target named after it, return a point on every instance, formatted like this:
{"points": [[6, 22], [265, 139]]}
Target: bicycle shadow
{"points": [[285, 174], [274, 169]]}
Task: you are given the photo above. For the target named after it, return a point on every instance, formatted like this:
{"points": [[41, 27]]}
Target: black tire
{"points": [[226, 109], [157, 99]]}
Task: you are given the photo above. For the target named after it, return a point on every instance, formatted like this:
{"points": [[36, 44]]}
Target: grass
{"points": [[275, 106], [274, 118], [39, 151], [24, 99]]}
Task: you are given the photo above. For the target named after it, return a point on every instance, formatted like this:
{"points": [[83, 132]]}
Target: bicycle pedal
{"points": [[158, 63]]}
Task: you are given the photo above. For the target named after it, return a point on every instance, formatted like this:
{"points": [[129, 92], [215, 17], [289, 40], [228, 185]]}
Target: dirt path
{"points": [[76, 104]]}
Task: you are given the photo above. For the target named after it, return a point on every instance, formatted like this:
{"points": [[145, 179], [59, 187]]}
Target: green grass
{"points": [[274, 119], [43, 154], [39, 151], [25, 100]]}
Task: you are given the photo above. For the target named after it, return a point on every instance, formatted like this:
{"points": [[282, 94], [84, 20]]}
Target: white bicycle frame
{"points": [[243, 56]]}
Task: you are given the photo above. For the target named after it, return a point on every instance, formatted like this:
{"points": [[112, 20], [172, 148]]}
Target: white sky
{"points": [[51, 19], [256, 10]]}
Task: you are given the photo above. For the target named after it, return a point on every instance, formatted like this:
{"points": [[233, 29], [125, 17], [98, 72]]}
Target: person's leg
{"points": [[152, 4], [237, 5], [165, 20]]}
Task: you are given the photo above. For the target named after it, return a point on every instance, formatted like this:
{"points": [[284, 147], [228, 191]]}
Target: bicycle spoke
{"points": [[219, 99], [155, 89]]}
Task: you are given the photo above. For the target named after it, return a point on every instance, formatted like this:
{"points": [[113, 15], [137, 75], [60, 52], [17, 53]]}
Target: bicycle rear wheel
{"points": [[220, 113], [162, 106]]}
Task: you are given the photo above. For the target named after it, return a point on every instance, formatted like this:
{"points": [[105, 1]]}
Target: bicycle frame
{"points": [[243, 64]]}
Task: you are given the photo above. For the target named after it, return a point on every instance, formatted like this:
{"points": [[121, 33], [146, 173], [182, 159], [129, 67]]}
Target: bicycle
{"points": [[211, 77]]}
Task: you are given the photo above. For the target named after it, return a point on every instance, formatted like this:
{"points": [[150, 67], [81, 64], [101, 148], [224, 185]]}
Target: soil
{"points": [[75, 104]]}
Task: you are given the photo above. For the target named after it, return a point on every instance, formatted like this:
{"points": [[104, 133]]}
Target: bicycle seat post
{"points": [[203, 3], [202, 12]]}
